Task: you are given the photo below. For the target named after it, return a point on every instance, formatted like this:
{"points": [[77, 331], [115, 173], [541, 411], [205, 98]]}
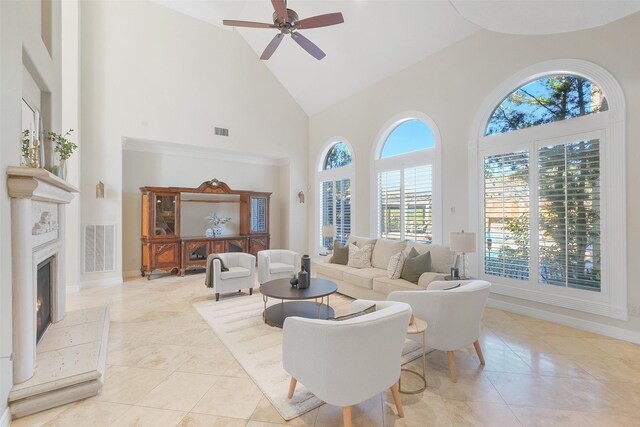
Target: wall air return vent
{"points": [[222, 131], [99, 248]]}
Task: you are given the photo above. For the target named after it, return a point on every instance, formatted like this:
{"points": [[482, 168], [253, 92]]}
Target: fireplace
{"points": [[43, 297]]}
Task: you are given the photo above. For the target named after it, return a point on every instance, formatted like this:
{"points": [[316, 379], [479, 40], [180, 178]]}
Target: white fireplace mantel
{"points": [[31, 243]]}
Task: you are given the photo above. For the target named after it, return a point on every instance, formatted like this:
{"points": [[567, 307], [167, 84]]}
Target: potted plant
{"points": [[216, 223], [64, 148]]}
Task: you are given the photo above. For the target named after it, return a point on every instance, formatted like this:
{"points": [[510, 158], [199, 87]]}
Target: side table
{"points": [[416, 326]]}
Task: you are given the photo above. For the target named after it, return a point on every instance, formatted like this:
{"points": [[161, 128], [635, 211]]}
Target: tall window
{"points": [[541, 166], [335, 191], [405, 169]]}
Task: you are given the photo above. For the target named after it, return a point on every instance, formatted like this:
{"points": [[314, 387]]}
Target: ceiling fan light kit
{"points": [[287, 22]]}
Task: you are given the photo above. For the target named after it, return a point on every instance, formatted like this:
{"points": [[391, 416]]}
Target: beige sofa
{"points": [[373, 283]]}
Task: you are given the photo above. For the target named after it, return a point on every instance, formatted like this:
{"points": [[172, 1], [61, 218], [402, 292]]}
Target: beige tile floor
{"points": [[166, 367]]}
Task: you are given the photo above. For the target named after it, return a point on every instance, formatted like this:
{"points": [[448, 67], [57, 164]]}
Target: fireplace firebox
{"points": [[43, 297]]}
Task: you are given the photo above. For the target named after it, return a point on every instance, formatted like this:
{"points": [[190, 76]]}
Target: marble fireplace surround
{"points": [[31, 190], [69, 361]]}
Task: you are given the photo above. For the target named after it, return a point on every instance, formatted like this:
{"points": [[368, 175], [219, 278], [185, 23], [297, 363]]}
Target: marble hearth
{"points": [[68, 362]]}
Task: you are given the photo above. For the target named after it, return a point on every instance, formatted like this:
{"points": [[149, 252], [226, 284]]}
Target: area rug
{"points": [[237, 321]]}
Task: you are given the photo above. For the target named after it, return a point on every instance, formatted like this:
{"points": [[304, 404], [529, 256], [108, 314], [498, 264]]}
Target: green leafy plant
{"points": [[63, 146], [26, 143]]}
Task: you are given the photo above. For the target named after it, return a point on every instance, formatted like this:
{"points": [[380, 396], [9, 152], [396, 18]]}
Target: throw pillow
{"points": [[396, 262], [367, 310], [360, 257], [415, 265], [340, 254]]}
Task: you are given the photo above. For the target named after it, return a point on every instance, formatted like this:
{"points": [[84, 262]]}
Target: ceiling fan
{"points": [[286, 21]]}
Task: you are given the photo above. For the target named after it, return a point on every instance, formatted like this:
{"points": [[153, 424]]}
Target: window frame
{"points": [[405, 161], [609, 128], [335, 174]]}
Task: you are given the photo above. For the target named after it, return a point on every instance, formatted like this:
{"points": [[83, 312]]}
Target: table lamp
{"points": [[463, 242], [328, 232]]}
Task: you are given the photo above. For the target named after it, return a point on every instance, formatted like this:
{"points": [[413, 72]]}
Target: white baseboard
{"points": [[585, 325], [6, 418]]}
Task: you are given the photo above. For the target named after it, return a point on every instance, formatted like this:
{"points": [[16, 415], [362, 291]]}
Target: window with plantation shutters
{"points": [[335, 194], [405, 187], [506, 215], [551, 198], [569, 214]]}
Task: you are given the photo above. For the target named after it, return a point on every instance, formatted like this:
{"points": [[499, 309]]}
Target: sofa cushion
{"points": [[414, 265], [360, 257], [361, 241], [332, 271], [396, 262], [235, 272], [340, 254], [384, 250], [384, 285], [280, 267], [363, 277], [441, 256]]}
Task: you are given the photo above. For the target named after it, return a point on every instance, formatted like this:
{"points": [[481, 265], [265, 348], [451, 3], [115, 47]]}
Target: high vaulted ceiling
{"points": [[382, 37]]}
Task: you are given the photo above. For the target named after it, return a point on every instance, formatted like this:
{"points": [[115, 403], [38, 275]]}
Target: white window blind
{"points": [[335, 200], [389, 199], [506, 215], [569, 212], [418, 196], [405, 208]]}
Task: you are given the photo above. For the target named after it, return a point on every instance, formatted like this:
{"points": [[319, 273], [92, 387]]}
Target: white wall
{"points": [[450, 87], [151, 73], [20, 45], [141, 169]]}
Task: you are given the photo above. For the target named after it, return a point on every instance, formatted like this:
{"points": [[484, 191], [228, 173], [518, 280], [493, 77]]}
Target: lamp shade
{"points": [[328, 230], [463, 242]]}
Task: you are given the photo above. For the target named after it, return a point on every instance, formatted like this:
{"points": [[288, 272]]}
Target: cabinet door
{"points": [[166, 254], [165, 215], [259, 214], [217, 247], [257, 244]]}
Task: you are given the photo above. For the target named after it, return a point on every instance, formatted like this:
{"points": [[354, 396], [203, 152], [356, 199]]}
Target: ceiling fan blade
{"points": [[280, 6], [272, 46], [308, 45], [320, 21], [234, 23]]}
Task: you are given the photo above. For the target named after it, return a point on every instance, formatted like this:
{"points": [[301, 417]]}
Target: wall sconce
{"points": [[300, 196], [100, 190]]}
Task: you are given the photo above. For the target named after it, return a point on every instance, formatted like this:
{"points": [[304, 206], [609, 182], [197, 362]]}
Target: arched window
{"points": [[335, 178], [405, 169], [545, 153]]}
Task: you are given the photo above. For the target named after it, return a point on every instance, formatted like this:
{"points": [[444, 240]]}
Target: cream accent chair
{"points": [[241, 274], [277, 264], [347, 362], [453, 315]]}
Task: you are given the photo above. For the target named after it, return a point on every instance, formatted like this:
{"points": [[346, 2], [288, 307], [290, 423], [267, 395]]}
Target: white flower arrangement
{"points": [[216, 220]]}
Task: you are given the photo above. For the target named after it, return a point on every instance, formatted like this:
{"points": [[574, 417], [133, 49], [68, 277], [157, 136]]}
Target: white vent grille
{"points": [[99, 248]]}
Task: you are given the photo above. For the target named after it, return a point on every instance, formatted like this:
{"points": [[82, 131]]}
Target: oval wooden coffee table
{"points": [[294, 306]]}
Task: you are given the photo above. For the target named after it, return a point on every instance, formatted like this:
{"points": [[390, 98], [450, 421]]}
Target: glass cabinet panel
{"points": [[258, 215], [165, 215]]}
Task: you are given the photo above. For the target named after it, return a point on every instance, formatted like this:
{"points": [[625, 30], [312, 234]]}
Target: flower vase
{"points": [[60, 170], [217, 230]]}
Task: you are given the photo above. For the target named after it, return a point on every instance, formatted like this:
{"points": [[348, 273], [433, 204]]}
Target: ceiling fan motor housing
{"points": [[287, 25]]}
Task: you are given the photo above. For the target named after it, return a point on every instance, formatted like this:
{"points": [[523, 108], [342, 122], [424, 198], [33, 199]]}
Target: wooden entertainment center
{"points": [[165, 249]]}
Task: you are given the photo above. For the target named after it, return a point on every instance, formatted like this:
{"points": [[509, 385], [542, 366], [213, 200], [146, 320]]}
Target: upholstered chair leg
{"points": [[479, 351], [346, 416], [292, 387], [395, 392], [452, 367], [250, 291], [217, 296]]}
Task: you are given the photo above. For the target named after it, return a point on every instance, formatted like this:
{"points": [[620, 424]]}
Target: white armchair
{"points": [[453, 315], [277, 264], [241, 274], [347, 362]]}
